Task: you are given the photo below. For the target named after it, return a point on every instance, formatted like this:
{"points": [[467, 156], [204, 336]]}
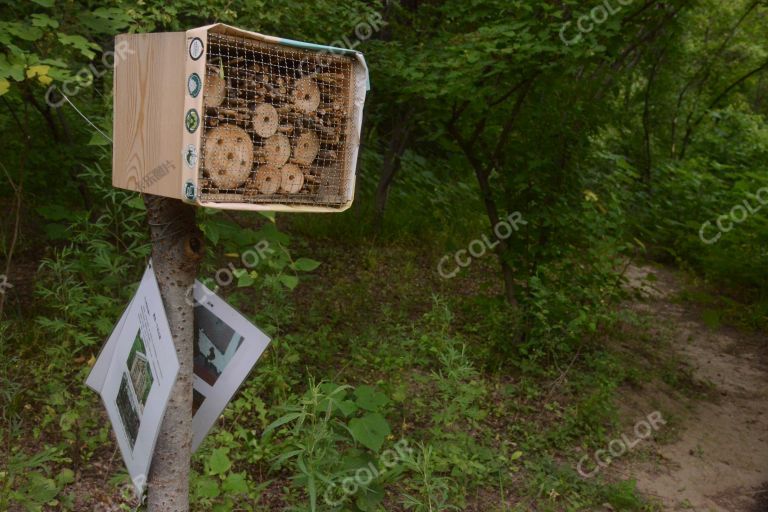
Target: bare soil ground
{"points": [[714, 456]]}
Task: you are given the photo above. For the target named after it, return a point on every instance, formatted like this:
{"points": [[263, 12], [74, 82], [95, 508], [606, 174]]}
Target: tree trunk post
{"points": [[177, 249], [392, 163]]}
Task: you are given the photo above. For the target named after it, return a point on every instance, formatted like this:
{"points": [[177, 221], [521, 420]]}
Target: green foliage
{"points": [[322, 437], [618, 146], [720, 183], [219, 487], [561, 488], [434, 490], [30, 481]]}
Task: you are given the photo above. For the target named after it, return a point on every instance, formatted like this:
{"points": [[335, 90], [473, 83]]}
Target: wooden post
{"points": [[177, 249]]}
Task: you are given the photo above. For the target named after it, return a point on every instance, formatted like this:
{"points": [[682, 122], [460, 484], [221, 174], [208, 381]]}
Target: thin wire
{"points": [[83, 115]]}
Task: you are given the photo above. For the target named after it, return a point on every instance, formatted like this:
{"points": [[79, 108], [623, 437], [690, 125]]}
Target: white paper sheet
{"points": [[227, 347], [138, 382], [209, 400], [100, 368]]}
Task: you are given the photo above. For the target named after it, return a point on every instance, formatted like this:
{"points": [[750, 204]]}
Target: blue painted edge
{"points": [[332, 49]]}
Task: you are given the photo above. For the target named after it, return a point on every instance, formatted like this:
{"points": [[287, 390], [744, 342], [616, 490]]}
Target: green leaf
{"points": [[370, 399], [206, 487], [98, 139], [281, 421], [235, 483], [11, 68], [68, 420], [305, 265], [39, 489], [244, 278], [371, 430], [65, 477], [289, 281], [136, 203], [25, 32], [347, 407], [4, 86], [106, 20], [43, 20], [80, 43], [212, 231], [44, 3], [268, 215], [219, 463], [370, 497], [271, 234], [312, 491]]}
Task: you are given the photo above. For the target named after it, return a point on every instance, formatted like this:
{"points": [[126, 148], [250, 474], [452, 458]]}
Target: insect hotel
{"points": [[230, 119]]}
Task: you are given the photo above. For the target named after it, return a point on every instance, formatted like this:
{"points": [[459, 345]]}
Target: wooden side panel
{"points": [[148, 121]]}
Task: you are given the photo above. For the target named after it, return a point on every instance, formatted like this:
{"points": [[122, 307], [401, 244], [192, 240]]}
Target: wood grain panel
{"points": [[148, 121]]}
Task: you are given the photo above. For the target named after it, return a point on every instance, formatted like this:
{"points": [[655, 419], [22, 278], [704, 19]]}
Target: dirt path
{"points": [[715, 457]]}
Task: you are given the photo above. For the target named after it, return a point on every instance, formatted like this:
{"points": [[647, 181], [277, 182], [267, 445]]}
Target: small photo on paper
{"points": [[197, 400], [127, 407], [141, 373], [216, 345]]}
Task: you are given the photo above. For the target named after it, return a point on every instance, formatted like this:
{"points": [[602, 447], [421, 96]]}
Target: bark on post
{"points": [[177, 248]]}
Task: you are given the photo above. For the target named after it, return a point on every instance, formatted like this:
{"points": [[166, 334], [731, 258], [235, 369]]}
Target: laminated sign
{"points": [[227, 347], [135, 375]]}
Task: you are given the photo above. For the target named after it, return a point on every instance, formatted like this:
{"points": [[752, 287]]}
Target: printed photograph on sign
{"points": [[134, 375], [127, 406], [140, 371], [197, 401], [216, 345], [227, 346]]}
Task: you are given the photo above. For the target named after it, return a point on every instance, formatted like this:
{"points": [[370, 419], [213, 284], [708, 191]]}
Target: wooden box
{"points": [[230, 119]]}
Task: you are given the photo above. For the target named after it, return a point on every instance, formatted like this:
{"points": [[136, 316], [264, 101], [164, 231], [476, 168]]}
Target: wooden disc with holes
{"points": [[291, 179], [306, 148], [306, 95], [265, 120], [228, 156], [215, 89], [267, 180], [277, 150]]}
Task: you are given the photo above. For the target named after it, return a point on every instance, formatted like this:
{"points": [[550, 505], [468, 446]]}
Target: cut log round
{"points": [[327, 155], [306, 148], [306, 95], [228, 156], [268, 179], [215, 88], [265, 120], [277, 150], [291, 179]]}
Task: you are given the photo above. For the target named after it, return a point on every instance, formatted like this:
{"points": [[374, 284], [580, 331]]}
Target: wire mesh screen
{"points": [[277, 124]]}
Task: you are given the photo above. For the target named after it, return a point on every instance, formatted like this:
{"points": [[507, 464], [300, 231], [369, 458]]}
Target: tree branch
{"points": [[506, 130], [715, 102]]}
